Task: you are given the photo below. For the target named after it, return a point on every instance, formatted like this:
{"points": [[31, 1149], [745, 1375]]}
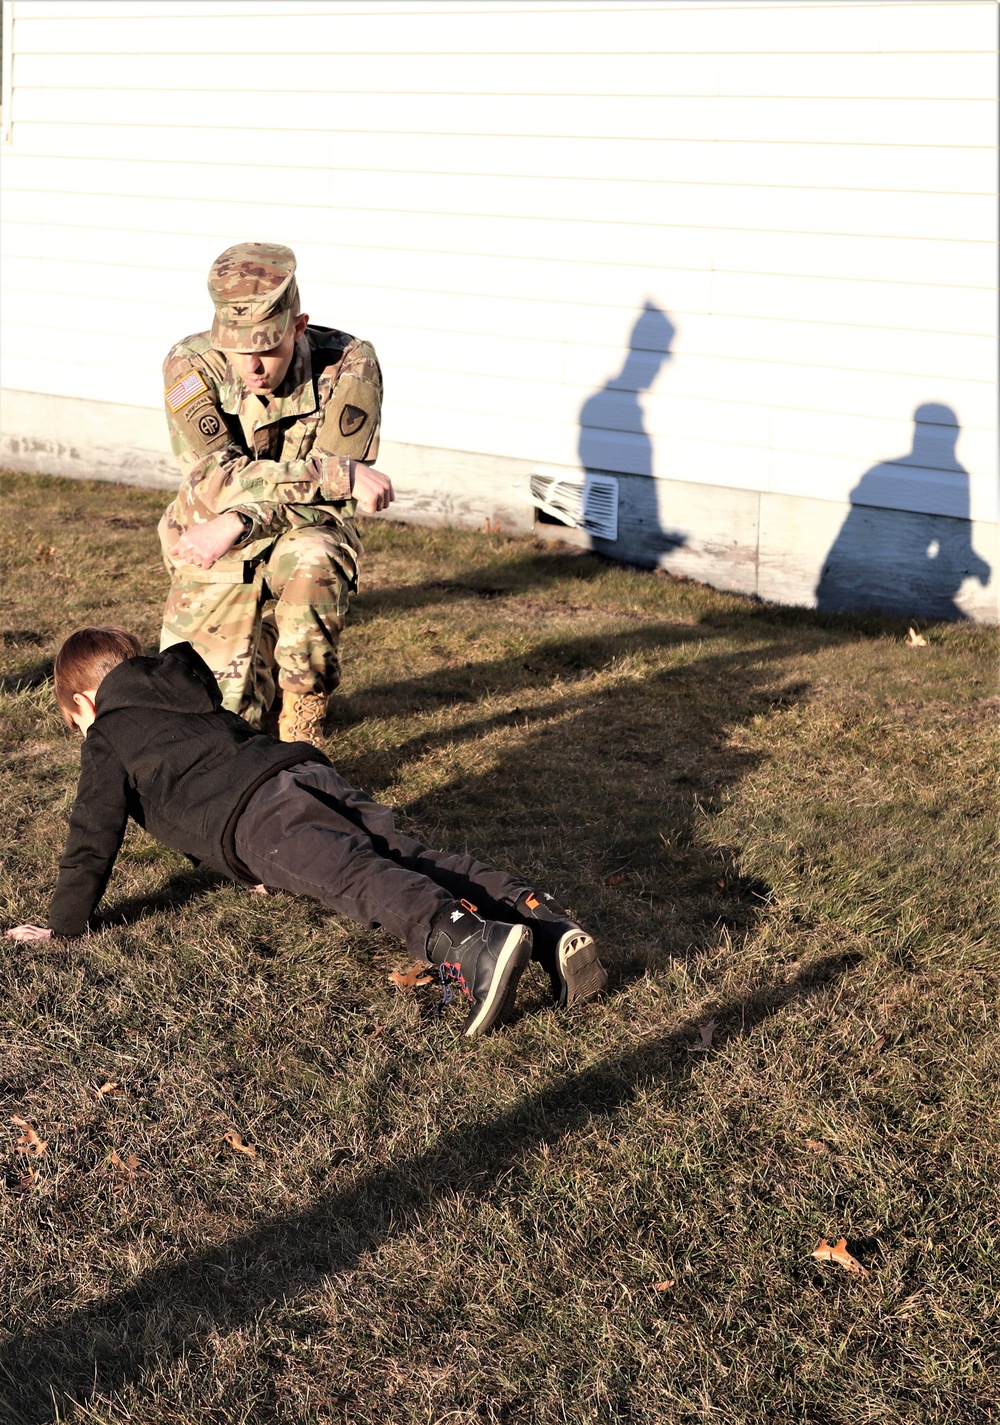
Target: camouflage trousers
{"points": [[284, 623]]}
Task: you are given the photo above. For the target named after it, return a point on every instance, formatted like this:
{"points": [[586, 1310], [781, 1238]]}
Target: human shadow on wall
{"points": [[898, 560], [613, 441]]}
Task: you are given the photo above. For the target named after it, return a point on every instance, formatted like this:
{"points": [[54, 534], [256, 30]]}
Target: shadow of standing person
{"points": [[613, 441], [892, 558]]}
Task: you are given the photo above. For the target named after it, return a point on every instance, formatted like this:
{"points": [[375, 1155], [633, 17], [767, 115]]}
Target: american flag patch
{"points": [[185, 390]]}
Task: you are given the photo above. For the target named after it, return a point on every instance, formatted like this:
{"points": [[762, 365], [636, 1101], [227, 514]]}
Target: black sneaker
{"points": [[482, 959], [563, 948]]}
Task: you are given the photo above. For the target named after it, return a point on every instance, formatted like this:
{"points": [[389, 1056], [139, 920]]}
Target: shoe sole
{"points": [[514, 955], [581, 974]]}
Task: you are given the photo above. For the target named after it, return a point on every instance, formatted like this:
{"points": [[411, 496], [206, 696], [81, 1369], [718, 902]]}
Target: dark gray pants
{"points": [[308, 831]]}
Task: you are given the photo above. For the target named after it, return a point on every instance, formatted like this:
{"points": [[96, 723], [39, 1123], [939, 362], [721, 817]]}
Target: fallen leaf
{"points": [[107, 1088], [124, 1171], [880, 1043], [838, 1253], [29, 1141], [617, 880], [664, 1285], [418, 974], [44, 553], [375, 1030], [915, 639], [239, 1144], [707, 1032], [816, 1145]]}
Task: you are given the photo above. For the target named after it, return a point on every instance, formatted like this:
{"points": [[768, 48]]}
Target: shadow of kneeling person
{"points": [[890, 557]]}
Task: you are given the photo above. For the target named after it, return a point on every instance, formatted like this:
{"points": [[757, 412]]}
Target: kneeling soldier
{"points": [[274, 424]]}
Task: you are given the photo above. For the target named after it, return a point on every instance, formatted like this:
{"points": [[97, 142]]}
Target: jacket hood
{"points": [[178, 680]]}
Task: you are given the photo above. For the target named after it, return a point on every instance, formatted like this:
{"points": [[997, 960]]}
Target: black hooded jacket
{"points": [[163, 751]]}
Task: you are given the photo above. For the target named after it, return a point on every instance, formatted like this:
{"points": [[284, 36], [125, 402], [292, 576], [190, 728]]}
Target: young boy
{"points": [[159, 747]]}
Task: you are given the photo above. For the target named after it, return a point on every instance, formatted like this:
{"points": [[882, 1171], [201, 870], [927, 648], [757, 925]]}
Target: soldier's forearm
{"points": [[259, 484]]}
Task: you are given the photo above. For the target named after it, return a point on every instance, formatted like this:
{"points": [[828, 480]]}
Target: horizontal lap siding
{"points": [[493, 193]]}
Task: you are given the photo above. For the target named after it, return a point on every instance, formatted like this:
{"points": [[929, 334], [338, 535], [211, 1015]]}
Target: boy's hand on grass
{"points": [[27, 932], [203, 544]]}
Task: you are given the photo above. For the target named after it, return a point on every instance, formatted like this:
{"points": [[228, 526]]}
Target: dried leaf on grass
{"points": [[915, 639], [838, 1253], [816, 1145], [44, 553], [417, 974], [617, 880], [707, 1032], [107, 1088], [239, 1144], [29, 1141], [664, 1285], [123, 1172], [880, 1043]]}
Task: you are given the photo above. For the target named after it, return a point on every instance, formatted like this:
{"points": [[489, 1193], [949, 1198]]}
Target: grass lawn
{"points": [[782, 828]]}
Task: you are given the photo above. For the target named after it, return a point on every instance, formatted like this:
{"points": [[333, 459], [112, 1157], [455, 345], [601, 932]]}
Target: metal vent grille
{"points": [[558, 497], [590, 503], [600, 506]]}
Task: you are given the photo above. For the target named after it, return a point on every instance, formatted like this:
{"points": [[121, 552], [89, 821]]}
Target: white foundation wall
{"points": [[741, 255]]}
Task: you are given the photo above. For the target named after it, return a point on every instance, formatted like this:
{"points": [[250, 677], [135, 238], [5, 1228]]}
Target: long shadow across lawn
{"points": [[534, 572], [601, 789], [99, 1348]]}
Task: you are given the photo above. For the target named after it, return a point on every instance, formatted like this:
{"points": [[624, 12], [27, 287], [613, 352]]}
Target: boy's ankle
{"points": [[539, 905], [451, 927]]}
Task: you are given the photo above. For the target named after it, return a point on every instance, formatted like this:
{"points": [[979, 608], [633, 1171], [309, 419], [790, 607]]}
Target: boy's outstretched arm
{"points": [[96, 830]]}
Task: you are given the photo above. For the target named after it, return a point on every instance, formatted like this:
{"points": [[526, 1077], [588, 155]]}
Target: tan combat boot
{"points": [[301, 717]]}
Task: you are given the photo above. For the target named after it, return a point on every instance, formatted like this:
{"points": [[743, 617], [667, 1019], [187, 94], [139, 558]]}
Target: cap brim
{"points": [[246, 340]]}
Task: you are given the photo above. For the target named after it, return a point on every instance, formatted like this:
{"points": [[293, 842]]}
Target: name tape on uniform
{"points": [[185, 390]]}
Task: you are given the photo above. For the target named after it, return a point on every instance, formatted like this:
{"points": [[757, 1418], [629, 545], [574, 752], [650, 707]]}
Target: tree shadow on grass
{"points": [[32, 675], [168, 1310], [601, 792], [534, 572]]}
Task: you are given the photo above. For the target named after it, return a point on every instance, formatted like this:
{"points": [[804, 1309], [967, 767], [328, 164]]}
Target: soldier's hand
{"points": [[372, 490], [27, 932], [203, 544]]}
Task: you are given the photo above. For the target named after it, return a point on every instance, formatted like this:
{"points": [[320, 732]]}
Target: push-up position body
{"points": [[160, 748]]}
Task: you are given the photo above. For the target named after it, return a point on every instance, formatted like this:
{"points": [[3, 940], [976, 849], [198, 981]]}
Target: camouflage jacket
{"points": [[283, 463]]}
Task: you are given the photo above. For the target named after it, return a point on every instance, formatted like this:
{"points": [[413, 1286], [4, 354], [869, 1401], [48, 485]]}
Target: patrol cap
{"points": [[253, 287]]}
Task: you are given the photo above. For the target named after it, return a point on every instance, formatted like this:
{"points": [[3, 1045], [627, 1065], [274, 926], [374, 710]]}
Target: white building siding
{"points": [[800, 197]]}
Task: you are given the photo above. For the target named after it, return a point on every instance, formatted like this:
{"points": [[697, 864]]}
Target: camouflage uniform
{"points": [[280, 595]]}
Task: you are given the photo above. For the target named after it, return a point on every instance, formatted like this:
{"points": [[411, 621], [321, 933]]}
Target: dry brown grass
{"points": [[781, 821]]}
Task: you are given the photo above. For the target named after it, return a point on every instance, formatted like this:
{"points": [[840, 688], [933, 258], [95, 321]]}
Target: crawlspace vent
{"points": [[590, 503], [600, 506]]}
